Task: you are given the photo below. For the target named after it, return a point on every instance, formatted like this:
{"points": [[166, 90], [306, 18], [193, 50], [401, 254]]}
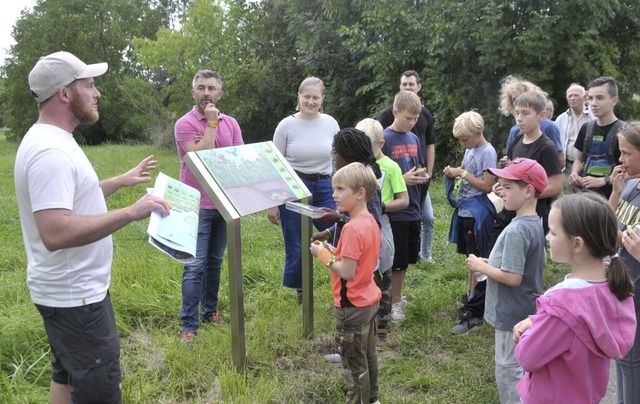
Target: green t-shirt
{"points": [[391, 182]]}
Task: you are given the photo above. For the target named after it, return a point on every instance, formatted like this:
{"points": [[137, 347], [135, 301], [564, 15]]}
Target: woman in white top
{"points": [[305, 140]]}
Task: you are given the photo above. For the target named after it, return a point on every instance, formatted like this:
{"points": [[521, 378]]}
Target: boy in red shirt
{"points": [[355, 293]]}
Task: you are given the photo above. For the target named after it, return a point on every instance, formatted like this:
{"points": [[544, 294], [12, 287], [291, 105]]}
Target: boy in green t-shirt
{"points": [[394, 197]]}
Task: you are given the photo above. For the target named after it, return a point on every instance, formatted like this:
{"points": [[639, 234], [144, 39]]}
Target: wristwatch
{"points": [[607, 180]]}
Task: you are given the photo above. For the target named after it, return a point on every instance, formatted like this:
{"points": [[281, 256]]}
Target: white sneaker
{"points": [[428, 260], [404, 301], [397, 312], [332, 358]]}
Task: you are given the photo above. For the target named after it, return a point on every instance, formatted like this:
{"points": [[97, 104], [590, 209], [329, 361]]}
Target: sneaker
{"points": [[376, 402], [188, 337], [466, 325], [397, 312], [215, 318], [428, 260], [404, 301], [332, 358]]}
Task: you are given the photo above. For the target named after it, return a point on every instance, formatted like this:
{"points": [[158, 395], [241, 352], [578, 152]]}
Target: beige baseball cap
{"points": [[60, 69]]}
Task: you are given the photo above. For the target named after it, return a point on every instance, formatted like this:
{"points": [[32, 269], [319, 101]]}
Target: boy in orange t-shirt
{"points": [[355, 293]]}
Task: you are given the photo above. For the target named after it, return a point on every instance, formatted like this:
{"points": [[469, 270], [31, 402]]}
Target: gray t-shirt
{"points": [[307, 143], [519, 249], [475, 161]]}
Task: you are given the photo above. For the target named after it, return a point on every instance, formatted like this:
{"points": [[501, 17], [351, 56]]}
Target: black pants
{"points": [[475, 306]]}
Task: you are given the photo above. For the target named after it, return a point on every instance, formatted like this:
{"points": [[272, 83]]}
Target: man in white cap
{"points": [[67, 231]]}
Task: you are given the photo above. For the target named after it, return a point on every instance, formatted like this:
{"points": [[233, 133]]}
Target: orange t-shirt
{"points": [[360, 241]]}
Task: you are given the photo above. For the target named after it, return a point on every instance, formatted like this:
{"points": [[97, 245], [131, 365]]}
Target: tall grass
{"points": [[420, 363]]}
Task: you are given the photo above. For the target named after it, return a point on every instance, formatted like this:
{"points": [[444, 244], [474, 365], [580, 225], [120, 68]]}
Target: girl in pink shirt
{"points": [[585, 321]]}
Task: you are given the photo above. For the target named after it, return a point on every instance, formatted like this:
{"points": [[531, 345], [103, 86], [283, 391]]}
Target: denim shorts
{"points": [[85, 350]]}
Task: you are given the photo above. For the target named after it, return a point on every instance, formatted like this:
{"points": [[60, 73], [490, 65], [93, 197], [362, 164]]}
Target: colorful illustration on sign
{"points": [[253, 177]]}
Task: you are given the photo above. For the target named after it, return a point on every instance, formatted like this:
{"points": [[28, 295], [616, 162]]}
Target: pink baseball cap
{"points": [[523, 169]]}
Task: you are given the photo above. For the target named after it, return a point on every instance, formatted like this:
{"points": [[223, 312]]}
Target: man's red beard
{"points": [[86, 115]]}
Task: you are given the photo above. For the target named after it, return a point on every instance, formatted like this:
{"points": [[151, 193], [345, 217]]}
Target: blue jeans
{"points": [[427, 228], [322, 192], [201, 279]]}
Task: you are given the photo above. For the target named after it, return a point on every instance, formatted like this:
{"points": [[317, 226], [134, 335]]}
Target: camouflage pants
{"points": [[356, 341], [384, 312]]}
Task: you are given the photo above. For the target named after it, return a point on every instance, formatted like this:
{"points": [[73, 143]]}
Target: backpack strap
{"points": [[612, 140], [588, 138]]}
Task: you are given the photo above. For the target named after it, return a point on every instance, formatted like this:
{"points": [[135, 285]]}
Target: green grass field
{"points": [[420, 363]]}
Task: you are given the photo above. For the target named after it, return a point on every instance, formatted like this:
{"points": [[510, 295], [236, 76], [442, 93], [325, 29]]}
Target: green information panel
{"points": [[253, 177]]}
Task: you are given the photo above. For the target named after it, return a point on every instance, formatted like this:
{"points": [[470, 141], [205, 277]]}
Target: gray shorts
{"points": [[85, 350]]}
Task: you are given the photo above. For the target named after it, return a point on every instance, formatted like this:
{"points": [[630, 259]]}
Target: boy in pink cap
{"points": [[514, 267]]}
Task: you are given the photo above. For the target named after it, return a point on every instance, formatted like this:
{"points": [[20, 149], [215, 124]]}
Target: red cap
{"points": [[522, 169]]}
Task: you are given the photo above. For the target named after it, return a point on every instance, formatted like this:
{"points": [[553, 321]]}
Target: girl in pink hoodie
{"points": [[586, 320]]}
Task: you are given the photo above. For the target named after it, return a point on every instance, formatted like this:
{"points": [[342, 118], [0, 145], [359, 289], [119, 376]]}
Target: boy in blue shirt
{"points": [[403, 147], [472, 221]]}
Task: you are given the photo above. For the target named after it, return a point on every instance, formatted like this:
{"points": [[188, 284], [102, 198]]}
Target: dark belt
{"points": [[312, 177]]}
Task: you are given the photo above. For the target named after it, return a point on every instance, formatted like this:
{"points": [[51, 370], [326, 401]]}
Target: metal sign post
{"points": [[242, 180]]}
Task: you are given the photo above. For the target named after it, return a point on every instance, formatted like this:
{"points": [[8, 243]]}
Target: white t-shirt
{"points": [[307, 143], [52, 172]]}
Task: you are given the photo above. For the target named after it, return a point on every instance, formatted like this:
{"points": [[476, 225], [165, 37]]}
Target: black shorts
{"points": [[85, 350], [406, 239], [466, 239]]}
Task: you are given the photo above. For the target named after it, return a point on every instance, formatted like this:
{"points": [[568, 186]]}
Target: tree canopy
{"points": [[263, 49]]}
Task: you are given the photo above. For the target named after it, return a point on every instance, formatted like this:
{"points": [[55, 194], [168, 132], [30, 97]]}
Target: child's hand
{"points": [[631, 242], [412, 177], [476, 264], [315, 247], [452, 172], [618, 178], [520, 328]]}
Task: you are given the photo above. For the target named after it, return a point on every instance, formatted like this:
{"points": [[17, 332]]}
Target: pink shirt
{"points": [[186, 129], [567, 352]]}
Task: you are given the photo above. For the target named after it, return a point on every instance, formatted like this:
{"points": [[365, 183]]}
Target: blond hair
{"points": [[512, 88], [407, 101], [355, 176], [372, 128], [468, 124]]}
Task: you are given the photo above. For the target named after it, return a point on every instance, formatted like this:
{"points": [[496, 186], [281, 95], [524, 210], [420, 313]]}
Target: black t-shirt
{"points": [[544, 151], [604, 131], [598, 130]]}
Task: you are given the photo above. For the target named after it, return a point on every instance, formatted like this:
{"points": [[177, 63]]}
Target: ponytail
{"points": [[618, 278]]}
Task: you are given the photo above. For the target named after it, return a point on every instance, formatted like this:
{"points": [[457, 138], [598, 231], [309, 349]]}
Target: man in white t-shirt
{"points": [[67, 230]]}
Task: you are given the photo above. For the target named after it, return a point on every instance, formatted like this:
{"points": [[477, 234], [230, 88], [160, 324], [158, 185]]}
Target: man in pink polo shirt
{"points": [[204, 127]]}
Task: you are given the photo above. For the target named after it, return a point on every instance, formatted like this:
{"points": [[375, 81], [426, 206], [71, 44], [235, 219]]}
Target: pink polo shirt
{"points": [[185, 131]]}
